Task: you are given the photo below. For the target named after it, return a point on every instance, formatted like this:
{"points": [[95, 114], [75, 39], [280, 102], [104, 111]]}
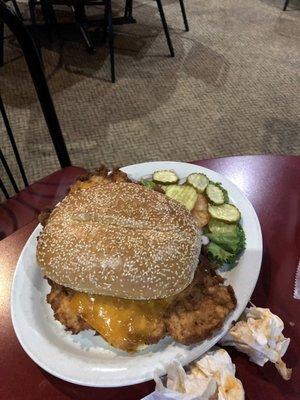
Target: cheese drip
{"points": [[125, 324]]}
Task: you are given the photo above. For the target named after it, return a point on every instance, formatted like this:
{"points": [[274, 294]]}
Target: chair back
{"points": [[13, 22]]}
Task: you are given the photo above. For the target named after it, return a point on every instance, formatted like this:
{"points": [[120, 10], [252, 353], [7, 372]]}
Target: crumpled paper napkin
{"points": [[259, 334], [297, 283], [212, 377]]}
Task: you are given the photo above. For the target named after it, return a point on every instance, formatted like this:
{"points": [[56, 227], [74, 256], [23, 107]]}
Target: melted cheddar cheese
{"points": [[125, 324]]}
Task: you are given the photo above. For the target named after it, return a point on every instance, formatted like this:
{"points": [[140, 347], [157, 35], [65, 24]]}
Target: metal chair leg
{"points": [[128, 9], [165, 26], [105, 23], [286, 4], [111, 40], [79, 16], [18, 13], [17, 9], [47, 19], [36, 36], [186, 25]]}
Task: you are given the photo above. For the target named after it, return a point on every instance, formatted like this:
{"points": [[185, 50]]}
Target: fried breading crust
{"points": [[100, 176], [44, 215], [192, 316], [59, 299], [200, 309]]}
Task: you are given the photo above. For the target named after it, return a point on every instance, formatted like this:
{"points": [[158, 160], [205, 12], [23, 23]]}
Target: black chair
{"points": [[19, 14], [78, 9], [49, 16], [128, 14], [16, 8], [31, 54], [286, 3]]}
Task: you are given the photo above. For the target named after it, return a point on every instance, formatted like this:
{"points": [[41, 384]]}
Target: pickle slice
{"points": [[184, 194], [198, 181], [220, 227], [165, 176], [225, 212], [214, 194]]}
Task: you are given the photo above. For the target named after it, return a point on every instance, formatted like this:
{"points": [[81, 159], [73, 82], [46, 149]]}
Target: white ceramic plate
{"points": [[88, 360]]}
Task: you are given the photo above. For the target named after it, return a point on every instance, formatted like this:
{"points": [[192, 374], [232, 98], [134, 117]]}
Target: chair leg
{"points": [[111, 40], [31, 5], [165, 26], [47, 19], [286, 4], [1, 43], [52, 18], [128, 9], [105, 22], [186, 25], [17, 9], [80, 19]]}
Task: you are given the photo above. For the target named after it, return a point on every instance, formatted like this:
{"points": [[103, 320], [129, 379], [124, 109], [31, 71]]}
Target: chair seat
{"points": [[26, 205]]}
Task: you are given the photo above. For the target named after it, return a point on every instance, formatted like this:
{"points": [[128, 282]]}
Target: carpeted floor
{"points": [[232, 88]]}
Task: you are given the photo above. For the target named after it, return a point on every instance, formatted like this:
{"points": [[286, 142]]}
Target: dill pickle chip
{"points": [[215, 194], [220, 227], [165, 176], [184, 194], [225, 212], [198, 181]]}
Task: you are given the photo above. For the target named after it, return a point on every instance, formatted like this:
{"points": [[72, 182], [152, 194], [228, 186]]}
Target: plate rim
{"points": [[162, 371]]}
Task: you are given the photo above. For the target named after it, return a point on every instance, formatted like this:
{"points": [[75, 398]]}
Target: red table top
{"points": [[272, 185]]}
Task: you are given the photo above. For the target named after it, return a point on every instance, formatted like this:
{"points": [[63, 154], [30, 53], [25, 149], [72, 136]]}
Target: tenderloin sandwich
{"points": [[125, 261]]}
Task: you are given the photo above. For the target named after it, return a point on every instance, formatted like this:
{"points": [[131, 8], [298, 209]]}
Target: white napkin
{"points": [[297, 283], [212, 377], [259, 334], [218, 366]]}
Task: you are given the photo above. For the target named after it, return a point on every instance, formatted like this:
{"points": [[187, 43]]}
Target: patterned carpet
{"points": [[232, 88]]}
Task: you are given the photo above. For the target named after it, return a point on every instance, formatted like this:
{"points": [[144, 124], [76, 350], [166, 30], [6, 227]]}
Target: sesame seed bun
{"points": [[121, 240]]}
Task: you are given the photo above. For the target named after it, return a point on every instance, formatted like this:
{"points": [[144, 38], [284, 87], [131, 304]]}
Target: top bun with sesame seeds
{"points": [[122, 240]]}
